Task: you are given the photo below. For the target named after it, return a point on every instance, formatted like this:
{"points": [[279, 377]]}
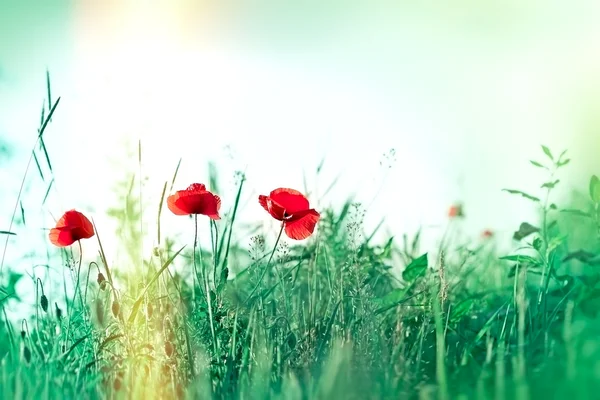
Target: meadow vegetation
{"points": [[337, 315]]}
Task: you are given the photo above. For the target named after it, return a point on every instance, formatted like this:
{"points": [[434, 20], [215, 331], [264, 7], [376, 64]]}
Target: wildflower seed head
{"points": [[58, 311], [388, 159], [257, 247], [284, 251], [239, 177]]}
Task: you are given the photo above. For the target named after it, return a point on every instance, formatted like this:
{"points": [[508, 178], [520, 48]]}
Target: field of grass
{"points": [[333, 316]]}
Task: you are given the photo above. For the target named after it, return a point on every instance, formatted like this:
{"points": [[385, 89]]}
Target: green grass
{"points": [[336, 316]]}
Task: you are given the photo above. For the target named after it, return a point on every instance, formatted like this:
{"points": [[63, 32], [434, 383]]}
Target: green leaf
{"points": [[595, 189], [583, 256], [550, 185], [22, 212], [554, 243], [461, 309], [562, 155], [563, 163], [415, 269], [13, 279], [525, 230], [522, 259], [547, 152], [538, 243], [527, 196], [577, 212], [537, 164], [48, 191], [7, 233], [391, 298]]}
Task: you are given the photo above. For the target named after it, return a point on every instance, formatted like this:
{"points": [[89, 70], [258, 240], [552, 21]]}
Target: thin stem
{"points": [[206, 288], [268, 263], [194, 257], [215, 243], [78, 274]]}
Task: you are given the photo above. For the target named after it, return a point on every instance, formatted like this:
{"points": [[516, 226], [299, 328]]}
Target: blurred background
{"points": [[411, 107]]}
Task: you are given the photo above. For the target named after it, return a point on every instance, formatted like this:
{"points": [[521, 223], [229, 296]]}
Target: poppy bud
{"points": [[115, 308], [101, 281], [22, 334], [169, 348], [456, 211], [117, 384], [27, 354], [58, 311], [44, 303]]}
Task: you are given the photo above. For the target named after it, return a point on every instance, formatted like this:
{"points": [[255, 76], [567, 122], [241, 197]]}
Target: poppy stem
{"points": [[78, 274], [215, 240], [194, 255], [262, 275]]}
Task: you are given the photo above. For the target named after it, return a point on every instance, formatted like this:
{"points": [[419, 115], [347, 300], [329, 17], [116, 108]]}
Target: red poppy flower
{"points": [[195, 200], [291, 207], [487, 234], [72, 227], [456, 211]]}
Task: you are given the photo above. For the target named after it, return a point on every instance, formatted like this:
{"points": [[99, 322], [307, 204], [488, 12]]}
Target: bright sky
{"points": [[464, 94]]}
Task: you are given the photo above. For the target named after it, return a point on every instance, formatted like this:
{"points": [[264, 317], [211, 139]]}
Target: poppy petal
{"points": [[272, 207], [217, 201], [302, 227], [172, 205], [61, 237], [185, 203], [81, 227], [195, 200], [291, 200], [196, 187]]}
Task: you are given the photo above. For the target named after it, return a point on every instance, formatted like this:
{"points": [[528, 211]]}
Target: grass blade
{"points": [[160, 206], [175, 175]]}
